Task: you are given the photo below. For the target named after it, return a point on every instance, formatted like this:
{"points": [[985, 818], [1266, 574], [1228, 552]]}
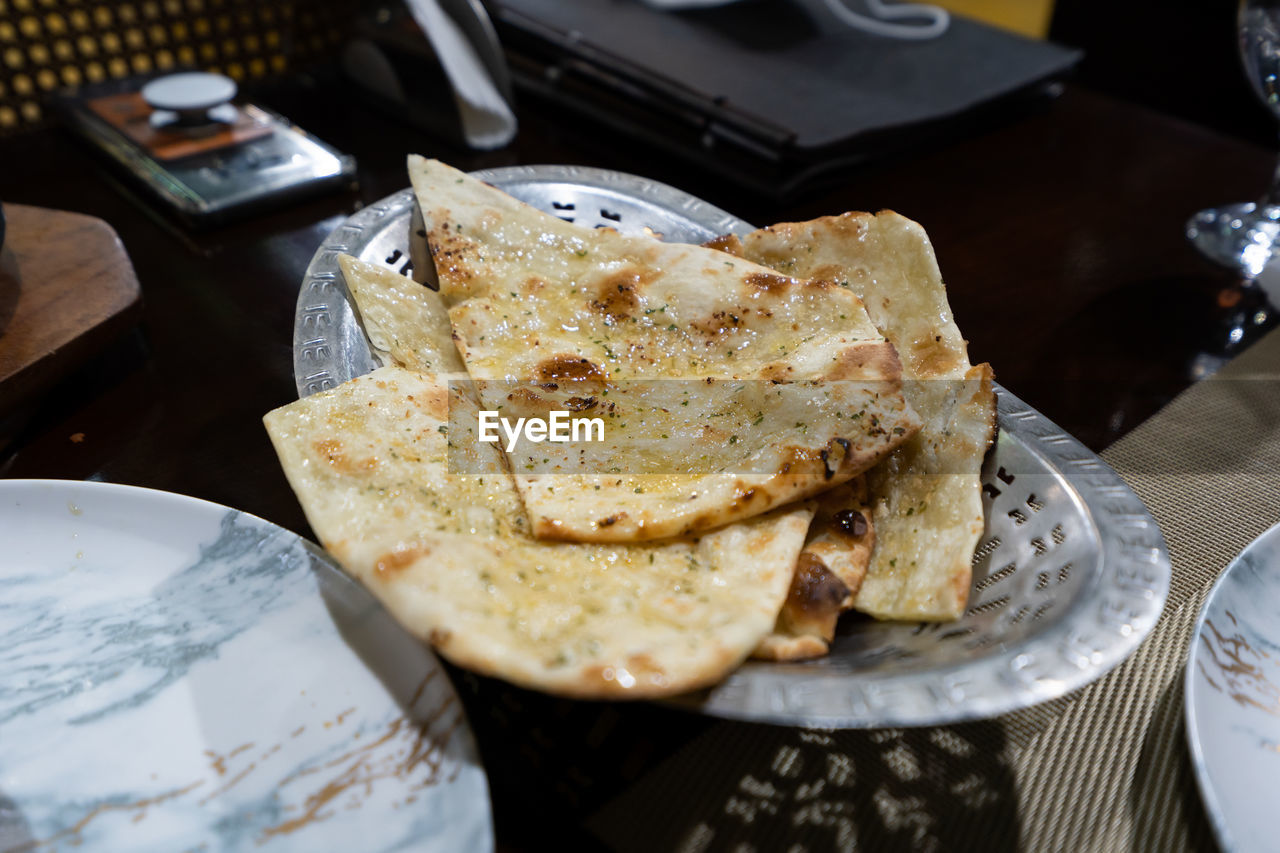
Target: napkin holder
{"points": [[392, 63]]}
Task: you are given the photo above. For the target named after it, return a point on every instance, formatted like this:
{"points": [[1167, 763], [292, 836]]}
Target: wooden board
{"points": [[66, 289]]}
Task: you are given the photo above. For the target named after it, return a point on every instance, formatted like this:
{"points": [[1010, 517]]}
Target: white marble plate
{"points": [[176, 675], [1233, 699]]}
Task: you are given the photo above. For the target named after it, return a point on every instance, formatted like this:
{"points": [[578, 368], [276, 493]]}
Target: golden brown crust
{"points": [[982, 373], [773, 284], [843, 534], [926, 524], [728, 243], [807, 622], [816, 595], [783, 647], [803, 472], [566, 366], [616, 295], [828, 573], [627, 308], [400, 558], [451, 557], [869, 360]]}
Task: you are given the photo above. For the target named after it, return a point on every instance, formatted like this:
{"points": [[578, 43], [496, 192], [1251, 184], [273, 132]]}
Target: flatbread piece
{"points": [[927, 496], [406, 322], [451, 555], [538, 300], [828, 575]]}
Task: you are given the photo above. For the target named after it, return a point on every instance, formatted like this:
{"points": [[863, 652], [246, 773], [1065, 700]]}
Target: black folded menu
{"points": [[772, 92]]}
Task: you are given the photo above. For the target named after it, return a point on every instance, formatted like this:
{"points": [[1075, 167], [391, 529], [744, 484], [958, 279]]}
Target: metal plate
{"points": [[1070, 574]]}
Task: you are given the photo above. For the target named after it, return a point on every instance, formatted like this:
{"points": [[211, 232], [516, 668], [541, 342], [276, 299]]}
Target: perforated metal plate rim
{"points": [[320, 359], [1103, 625], [658, 194], [324, 304], [1102, 629]]}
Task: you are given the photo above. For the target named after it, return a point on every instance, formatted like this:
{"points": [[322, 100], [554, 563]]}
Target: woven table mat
{"points": [[1111, 771], [1104, 768]]}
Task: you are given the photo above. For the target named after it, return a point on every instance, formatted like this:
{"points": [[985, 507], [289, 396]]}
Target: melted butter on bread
{"points": [[452, 557], [532, 297]]}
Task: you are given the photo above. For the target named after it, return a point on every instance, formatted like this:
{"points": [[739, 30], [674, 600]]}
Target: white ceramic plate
{"points": [[1233, 698], [176, 675]]}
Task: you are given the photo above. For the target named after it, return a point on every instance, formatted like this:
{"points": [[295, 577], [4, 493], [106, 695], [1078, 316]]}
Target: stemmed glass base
{"points": [[1244, 238], [1240, 237]]}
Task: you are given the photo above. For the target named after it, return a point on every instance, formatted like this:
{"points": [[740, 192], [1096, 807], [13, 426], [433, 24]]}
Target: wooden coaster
{"points": [[67, 288]]}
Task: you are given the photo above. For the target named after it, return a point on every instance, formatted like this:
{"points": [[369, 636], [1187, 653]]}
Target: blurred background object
{"points": [[774, 95], [1181, 62], [1240, 235], [410, 75], [181, 139], [1026, 17], [50, 45]]}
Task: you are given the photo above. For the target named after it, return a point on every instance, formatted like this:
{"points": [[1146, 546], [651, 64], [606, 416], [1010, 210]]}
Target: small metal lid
{"points": [[189, 92]]}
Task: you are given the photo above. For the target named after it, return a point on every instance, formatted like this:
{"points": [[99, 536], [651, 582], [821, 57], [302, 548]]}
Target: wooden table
{"points": [[1059, 232]]}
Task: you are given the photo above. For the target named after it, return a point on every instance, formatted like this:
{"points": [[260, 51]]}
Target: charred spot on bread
{"points": [[815, 588], [566, 366], [616, 295], [850, 521]]}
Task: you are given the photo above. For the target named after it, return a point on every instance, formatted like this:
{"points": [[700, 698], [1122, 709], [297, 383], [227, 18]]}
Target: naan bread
{"points": [[452, 557], [828, 574], [927, 497], [928, 505], [408, 326], [535, 299], [406, 322]]}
